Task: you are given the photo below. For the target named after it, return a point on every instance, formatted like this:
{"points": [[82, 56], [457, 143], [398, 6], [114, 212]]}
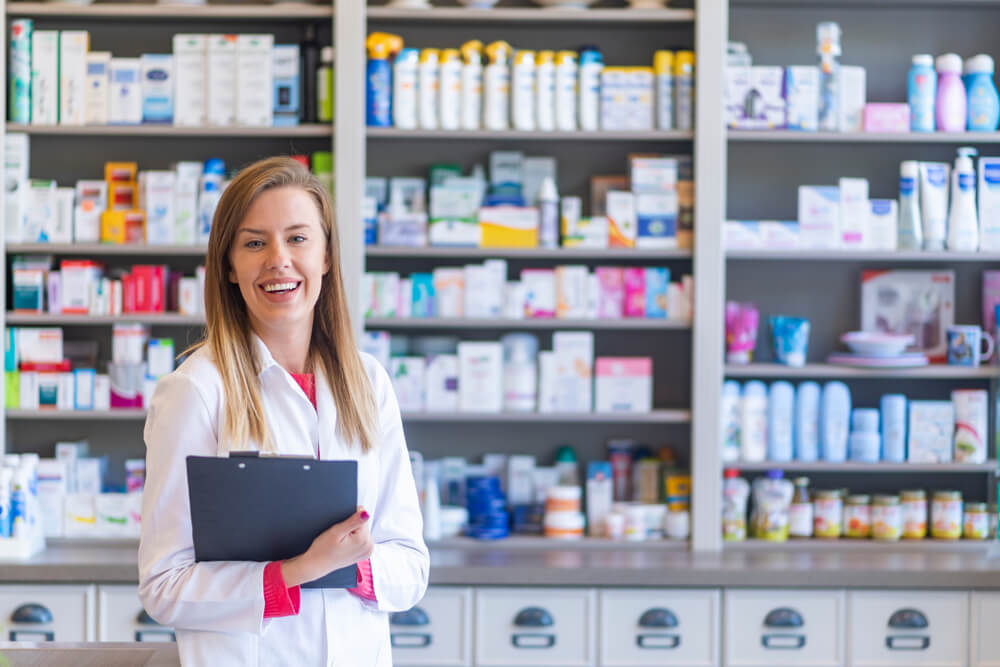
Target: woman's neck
{"points": [[289, 349]]}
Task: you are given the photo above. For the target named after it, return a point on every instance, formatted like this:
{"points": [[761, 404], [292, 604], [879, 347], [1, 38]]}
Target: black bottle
{"points": [[309, 55]]}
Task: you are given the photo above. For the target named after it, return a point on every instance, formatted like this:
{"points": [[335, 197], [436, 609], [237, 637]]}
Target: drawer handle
{"points": [[533, 640], [410, 639], [33, 613], [32, 636], [411, 617], [658, 617], [145, 619], [533, 617], [908, 643], [908, 619], [783, 617], [658, 641], [165, 636], [783, 642]]}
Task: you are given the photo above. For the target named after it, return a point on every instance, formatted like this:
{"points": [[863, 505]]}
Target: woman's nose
{"points": [[278, 257]]}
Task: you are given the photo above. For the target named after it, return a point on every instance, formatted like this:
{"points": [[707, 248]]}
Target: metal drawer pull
{"points": [[785, 618], [411, 617], [164, 635], [533, 617], [658, 617], [908, 619], [410, 639], [32, 613]]}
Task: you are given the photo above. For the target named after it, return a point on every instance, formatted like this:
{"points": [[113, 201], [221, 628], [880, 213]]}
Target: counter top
{"points": [[77, 654]]}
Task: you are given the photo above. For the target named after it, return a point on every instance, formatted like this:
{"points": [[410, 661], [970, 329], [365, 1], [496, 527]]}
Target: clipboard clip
{"points": [[245, 454]]}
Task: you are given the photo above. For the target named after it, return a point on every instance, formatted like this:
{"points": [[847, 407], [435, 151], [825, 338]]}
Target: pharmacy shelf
{"points": [[45, 319], [297, 131], [865, 137], [550, 323], [936, 256], [932, 372], [526, 253], [520, 16], [285, 11], [122, 414], [521, 135], [867, 545], [539, 543], [654, 417], [859, 4], [95, 249], [855, 467]]}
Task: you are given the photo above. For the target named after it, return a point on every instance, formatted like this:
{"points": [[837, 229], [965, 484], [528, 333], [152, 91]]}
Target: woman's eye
{"points": [[254, 244], [298, 238]]}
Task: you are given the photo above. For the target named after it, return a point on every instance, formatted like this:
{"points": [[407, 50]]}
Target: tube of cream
{"points": [[934, 203]]}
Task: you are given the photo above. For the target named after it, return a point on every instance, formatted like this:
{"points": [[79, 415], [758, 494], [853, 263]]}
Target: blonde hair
{"points": [[229, 337]]}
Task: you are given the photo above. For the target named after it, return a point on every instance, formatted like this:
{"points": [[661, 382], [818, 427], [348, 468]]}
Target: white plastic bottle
{"points": [[684, 90], [731, 418], [663, 68], [548, 213], [472, 85], [753, 431], [427, 90], [432, 509], [545, 90], [450, 98], [496, 87], [566, 75], [591, 66], [523, 91], [963, 223], [911, 228], [404, 89]]}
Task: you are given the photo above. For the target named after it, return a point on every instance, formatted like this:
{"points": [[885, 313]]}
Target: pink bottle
{"points": [[951, 100]]}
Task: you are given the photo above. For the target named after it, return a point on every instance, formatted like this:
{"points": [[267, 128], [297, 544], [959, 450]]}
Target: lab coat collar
{"points": [[264, 356]]}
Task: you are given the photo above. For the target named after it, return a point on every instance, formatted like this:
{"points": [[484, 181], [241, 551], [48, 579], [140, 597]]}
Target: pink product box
{"points": [[611, 292], [624, 384], [635, 292], [882, 117]]}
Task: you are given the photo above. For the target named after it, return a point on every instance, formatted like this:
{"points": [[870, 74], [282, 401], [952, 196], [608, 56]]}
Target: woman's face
{"points": [[279, 257]]}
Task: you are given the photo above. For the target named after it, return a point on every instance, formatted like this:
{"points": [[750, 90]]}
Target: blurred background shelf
{"points": [[309, 130], [526, 253], [105, 249], [941, 257], [537, 323], [20, 319], [524, 135], [654, 417], [532, 15], [285, 11], [933, 372], [855, 467]]}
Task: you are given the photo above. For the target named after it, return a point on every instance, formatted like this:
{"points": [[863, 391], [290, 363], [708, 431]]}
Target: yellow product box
{"points": [[123, 227], [122, 196], [508, 227], [678, 492], [12, 387], [121, 172]]}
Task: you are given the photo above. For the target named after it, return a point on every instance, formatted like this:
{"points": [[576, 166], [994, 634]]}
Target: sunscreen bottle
{"points": [[404, 89], [523, 91], [545, 90], [566, 71], [591, 67], [663, 68], [378, 88], [450, 83], [684, 90], [427, 89], [472, 85], [496, 87]]}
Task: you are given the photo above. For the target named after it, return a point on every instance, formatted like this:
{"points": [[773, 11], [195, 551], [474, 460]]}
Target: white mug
{"points": [[965, 345]]}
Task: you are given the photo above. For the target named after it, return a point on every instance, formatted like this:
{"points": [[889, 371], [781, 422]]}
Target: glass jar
{"points": [[887, 518], [914, 505], [828, 513], [858, 516], [977, 522], [946, 515], [800, 515]]}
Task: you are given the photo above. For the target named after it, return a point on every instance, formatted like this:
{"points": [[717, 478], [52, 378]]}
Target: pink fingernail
{"points": [[365, 515]]}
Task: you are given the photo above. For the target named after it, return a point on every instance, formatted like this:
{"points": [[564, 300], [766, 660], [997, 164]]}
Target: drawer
{"points": [[769, 628], [659, 627], [984, 638], [908, 629], [47, 613], [518, 627], [121, 618], [437, 632]]}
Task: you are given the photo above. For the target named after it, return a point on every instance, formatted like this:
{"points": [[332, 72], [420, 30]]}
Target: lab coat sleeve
{"points": [[400, 561], [174, 589]]}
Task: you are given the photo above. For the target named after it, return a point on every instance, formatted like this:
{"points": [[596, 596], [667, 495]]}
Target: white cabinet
{"points": [[121, 618], [47, 613], [908, 629], [769, 628], [538, 627], [984, 640], [437, 632], [661, 627]]}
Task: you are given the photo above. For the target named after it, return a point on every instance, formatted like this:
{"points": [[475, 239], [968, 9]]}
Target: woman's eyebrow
{"points": [[247, 230]]}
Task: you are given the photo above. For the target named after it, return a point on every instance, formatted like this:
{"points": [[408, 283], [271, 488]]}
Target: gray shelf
{"points": [[551, 323], [932, 372], [865, 137], [845, 544], [539, 543], [526, 253], [528, 15], [286, 11], [106, 249], [877, 468], [654, 417], [45, 319], [120, 414], [522, 135], [937, 256], [298, 131]]}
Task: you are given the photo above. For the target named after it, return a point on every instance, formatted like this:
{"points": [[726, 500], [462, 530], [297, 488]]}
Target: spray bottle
{"points": [[963, 224], [427, 89], [496, 87], [523, 91], [684, 90], [591, 67], [472, 85], [378, 105], [404, 89], [566, 72], [548, 210], [663, 67], [545, 90], [450, 103], [828, 49]]}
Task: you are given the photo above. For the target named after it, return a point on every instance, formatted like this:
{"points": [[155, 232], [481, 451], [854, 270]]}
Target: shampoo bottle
{"points": [[963, 223], [835, 419], [472, 85], [378, 89], [566, 73], [663, 68], [780, 412], [404, 89], [934, 203], [545, 90], [523, 91], [911, 231], [921, 91], [450, 90], [951, 103], [591, 66], [496, 87], [983, 104], [807, 401], [753, 432], [427, 89]]}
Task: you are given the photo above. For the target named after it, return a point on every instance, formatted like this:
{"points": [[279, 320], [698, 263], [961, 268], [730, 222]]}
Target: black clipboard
{"points": [[263, 509]]}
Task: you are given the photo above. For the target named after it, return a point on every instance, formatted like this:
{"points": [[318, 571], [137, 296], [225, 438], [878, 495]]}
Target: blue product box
{"points": [[157, 88], [657, 281], [285, 74], [10, 355], [422, 285]]}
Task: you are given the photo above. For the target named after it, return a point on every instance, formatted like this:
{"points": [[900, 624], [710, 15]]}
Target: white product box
{"points": [[754, 97], [69, 453], [853, 96], [60, 229], [65, 392], [190, 63], [156, 197], [160, 355], [88, 475], [883, 224], [28, 387], [574, 360], [254, 85], [17, 156], [97, 96], [157, 88], [83, 388], [819, 216], [377, 344], [404, 300], [185, 208], [547, 382], [40, 345], [624, 384], [408, 382], [73, 45], [932, 427], [539, 293], [535, 171], [513, 300], [802, 98], [40, 210], [623, 225], [479, 285], [91, 202], [102, 392], [220, 99], [188, 298], [44, 77], [520, 480], [53, 486], [614, 96], [80, 517], [920, 303], [442, 383], [989, 203], [385, 294], [639, 99], [495, 295], [571, 292], [480, 377], [449, 292], [125, 106], [854, 213], [777, 235]]}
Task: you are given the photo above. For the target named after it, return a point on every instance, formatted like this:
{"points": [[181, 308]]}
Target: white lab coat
{"points": [[216, 608]]}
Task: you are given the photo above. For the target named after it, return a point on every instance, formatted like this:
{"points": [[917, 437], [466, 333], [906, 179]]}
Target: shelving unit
{"points": [[958, 138], [172, 131], [860, 256], [990, 467], [498, 324], [654, 417], [934, 372], [531, 15], [105, 249], [290, 11], [558, 254], [925, 546], [521, 135], [174, 319]]}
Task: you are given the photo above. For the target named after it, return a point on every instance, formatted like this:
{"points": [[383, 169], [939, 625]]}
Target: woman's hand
{"points": [[340, 545]]}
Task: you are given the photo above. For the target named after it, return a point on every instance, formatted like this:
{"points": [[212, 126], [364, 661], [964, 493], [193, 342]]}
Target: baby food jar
{"points": [[887, 518], [858, 516], [946, 515], [828, 512], [914, 505], [977, 522]]}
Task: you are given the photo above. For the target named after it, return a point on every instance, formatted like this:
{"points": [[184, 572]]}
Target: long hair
{"points": [[229, 337]]}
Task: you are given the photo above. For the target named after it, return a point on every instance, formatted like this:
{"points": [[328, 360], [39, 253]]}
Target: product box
{"points": [[971, 424], [442, 383], [639, 99], [44, 77], [508, 227], [546, 382], [539, 293], [377, 344], [53, 486], [614, 98], [535, 171], [571, 292], [254, 82], [186, 183], [40, 210], [385, 294], [157, 88], [404, 306], [60, 229], [220, 98], [29, 290], [157, 199], [611, 292], [403, 229], [931, 429], [125, 107], [285, 76], [921, 303], [991, 299], [753, 97], [40, 345], [657, 281], [513, 300], [635, 291], [20, 70], [656, 215], [574, 363], [449, 292], [989, 204], [622, 220], [17, 156], [854, 213], [883, 224], [83, 388], [779, 235], [802, 98], [480, 377], [853, 96], [73, 46], [600, 186], [506, 171], [483, 292], [882, 117], [819, 216], [97, 94], [80, 518], [190, 63], [408, 382], [422, 297], [624, 384], [454, 215]]}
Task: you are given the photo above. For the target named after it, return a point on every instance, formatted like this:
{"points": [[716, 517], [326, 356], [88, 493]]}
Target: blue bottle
{"points": [[835, 417], [807, 422], [983, 106], [893, 428], [378, 87], [780, 415], [921, 89]]}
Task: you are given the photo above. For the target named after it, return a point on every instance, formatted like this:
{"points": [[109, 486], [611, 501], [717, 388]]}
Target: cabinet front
{"points": [[43, 613], [121, 618], [908, 629], [437, 632]]}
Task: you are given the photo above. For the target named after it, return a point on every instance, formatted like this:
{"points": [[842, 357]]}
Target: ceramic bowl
{"points": [[877, 344]]}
